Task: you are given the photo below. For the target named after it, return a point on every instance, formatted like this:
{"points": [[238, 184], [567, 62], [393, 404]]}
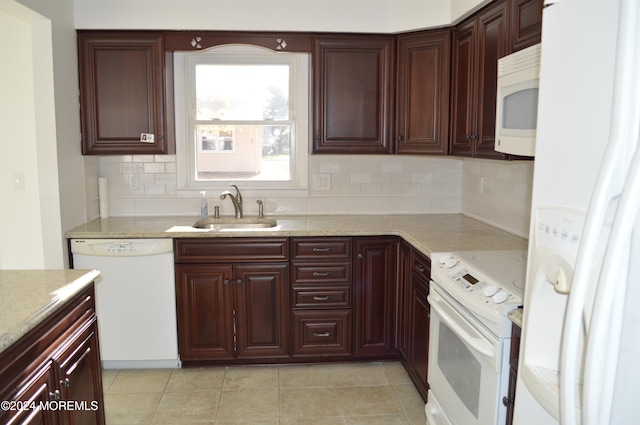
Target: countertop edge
{"points": [[58, 298]]}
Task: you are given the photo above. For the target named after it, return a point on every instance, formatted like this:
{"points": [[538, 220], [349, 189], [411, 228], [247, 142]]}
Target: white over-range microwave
{"points": [[517, 102]]}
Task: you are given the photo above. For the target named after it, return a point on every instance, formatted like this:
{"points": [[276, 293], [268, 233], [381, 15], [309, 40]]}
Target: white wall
{"points": [[386, 16], [30, 216], [289, 15], [73, 204]]}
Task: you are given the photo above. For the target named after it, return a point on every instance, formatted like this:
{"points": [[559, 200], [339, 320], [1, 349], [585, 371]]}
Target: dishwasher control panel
{"points": [[119, 247]]}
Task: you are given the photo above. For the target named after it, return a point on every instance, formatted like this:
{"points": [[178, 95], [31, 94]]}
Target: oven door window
{"points": [[465, 365], [460, 368]]}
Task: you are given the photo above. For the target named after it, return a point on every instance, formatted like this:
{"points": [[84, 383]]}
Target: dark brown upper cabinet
{"points": [[352, 94], [124, 93], [526, 23], [478, 43], [422, 93]]}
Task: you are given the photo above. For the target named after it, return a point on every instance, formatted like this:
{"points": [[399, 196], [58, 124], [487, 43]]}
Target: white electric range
{"points": [[470, 295]]}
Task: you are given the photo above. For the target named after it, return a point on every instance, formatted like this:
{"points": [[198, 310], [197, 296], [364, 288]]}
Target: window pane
{"points": [[243, 152], [242, 92]]}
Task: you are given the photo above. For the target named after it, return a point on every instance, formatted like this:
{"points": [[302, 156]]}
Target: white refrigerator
{"points": [[580, 353]]}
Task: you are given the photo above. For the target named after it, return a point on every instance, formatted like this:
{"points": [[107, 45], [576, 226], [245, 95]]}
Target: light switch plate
{"points": [[322, 181]]}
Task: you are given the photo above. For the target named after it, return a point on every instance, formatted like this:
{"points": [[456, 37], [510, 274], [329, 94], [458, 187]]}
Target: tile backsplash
{"points": [[146, 185]]}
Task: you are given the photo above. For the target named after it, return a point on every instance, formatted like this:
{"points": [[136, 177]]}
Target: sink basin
{"points": [[235, 223]]}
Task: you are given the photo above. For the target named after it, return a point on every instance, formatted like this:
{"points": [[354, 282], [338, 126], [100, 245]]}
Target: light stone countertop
{"points": [[28, 297], [427, 233], [516, 317]]}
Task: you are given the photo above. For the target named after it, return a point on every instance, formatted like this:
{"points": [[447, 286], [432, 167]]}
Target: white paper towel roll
{"points": [[103, 196]]}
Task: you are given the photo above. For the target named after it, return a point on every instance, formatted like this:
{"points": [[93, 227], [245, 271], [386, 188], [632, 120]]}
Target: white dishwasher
{"points": [[135, 300]]}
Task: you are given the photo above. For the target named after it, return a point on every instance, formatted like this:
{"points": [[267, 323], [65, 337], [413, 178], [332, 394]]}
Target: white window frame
{"points": [[184, 93]]}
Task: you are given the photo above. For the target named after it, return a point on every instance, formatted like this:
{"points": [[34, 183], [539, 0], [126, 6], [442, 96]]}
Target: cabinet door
{"points": [[477, 45], [464, 79], [122, 93], [205, 312], [262, 310], [40, 388], [493, 43], [419, 334], [374, 289], [422, 89], [352, 94], [526, 23], [79, 377], [404, 286]]}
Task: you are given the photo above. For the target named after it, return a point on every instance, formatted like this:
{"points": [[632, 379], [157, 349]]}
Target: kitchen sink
{"points": [[223, 224]]}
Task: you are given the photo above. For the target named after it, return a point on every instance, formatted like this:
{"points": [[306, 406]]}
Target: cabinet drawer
{"points": [[325, 333], [231, 250], [321, 248], [420, 265], [322, 296], [316, 273]]}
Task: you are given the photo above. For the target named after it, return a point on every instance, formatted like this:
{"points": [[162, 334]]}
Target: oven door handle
{"points": [[475, 340]]}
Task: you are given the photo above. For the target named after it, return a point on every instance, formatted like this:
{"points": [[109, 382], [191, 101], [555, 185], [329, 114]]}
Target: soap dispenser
{"points": [[204, 205]]}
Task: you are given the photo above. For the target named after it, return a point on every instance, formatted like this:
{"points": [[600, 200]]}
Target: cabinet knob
{"points": [[399, 138], [239, 281], [226, 282], [54, 395], [65, 383], [360, 256], [317, 137], [507, 401]]}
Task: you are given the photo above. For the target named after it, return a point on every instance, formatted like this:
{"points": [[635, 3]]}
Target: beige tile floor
{"points": [[334, 394]]}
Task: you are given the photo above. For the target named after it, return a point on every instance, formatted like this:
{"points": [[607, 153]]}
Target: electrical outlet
{"points": [[322, 181], [133, 181]]}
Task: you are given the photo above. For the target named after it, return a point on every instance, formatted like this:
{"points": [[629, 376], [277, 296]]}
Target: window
{"points": [[242, 117]]}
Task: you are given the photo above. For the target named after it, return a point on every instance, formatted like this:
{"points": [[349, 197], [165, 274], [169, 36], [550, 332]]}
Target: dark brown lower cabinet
{"points": [[509, 400], [374, 293], [56, 363], [417, 321], [232, 312]]}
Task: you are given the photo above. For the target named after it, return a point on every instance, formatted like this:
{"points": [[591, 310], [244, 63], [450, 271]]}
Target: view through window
{"points": [[242, 124], [242, 117]]}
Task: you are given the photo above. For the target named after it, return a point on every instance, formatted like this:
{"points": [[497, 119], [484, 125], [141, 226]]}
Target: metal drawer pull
{"points": [[323, 334], [321, 249], [321, 274], [420, 268], [318, 298]]}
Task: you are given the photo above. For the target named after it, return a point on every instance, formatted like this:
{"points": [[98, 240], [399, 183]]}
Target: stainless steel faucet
{"points": [[237, 200]]}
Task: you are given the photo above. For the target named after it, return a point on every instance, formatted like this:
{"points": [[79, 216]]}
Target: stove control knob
{"points": [[500, 297], [443, 259], [490, 290], [451, 262]]}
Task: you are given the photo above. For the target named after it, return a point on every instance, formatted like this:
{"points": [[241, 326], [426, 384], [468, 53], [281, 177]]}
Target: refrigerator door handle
{"points": [[624, 118], [604, 332]]}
